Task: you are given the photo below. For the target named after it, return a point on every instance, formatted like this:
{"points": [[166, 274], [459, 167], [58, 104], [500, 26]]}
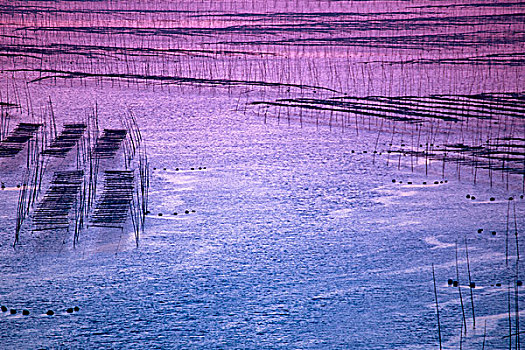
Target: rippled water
{"points": [[299, 239], [295, 243]]}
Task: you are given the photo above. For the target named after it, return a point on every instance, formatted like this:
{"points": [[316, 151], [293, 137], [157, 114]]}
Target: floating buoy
{"points": [[424, 182], [192, 168], [436, 182], [455, 283], [519, 283], [468, 196], [450, 281], [176, 169], [393, 180], [193, 211], [154, 168], [148, 212], [472, 197], [76, 308], [187, 211], [493, 233], [12, 311], [175, 213], [472, 285], [480, 230], [353, 151], [160, 214], [25, 312], [365, 151], [50, 312], [69, 310], [492, 199], [204, 167], [498, 284], [4, 309], [200, 168], [511, 198], [409, 182]]}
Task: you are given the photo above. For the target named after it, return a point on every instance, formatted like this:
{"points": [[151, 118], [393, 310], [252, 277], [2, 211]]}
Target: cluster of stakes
{"points": [[461, 131], [517, 283], [71, 196]]}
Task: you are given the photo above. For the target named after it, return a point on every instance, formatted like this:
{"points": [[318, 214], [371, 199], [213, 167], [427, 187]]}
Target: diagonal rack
{"points": [[112, 209], [109, 143], [53, 211], [15, 142], [67, 139]]}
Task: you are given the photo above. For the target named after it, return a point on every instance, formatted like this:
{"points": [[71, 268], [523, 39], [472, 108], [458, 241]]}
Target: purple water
{"points": [[299, 239]]}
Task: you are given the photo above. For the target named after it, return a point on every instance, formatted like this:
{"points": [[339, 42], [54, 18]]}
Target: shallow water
{"points": [[296, 241]]}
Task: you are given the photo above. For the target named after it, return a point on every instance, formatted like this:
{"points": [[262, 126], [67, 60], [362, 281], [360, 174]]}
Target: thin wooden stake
{"points": [[437, 307]]}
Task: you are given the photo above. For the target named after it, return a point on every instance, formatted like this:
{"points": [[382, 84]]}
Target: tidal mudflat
{"points": [[240, 174]]}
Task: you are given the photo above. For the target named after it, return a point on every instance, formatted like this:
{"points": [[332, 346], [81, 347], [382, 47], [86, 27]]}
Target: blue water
{"points": [[295, 242], [295, 238]]}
